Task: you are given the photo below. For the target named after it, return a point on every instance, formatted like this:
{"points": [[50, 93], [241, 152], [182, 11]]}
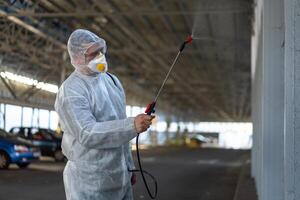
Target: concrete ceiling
{"points": [[210, 83]]}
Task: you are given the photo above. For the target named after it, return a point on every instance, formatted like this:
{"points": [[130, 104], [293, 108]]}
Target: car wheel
{"points": [[59, 156], [4, 160], [23, 165]]}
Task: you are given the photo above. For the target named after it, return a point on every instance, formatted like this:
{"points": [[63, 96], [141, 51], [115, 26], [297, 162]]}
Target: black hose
{"points": [[149, 111], [143, 172]]}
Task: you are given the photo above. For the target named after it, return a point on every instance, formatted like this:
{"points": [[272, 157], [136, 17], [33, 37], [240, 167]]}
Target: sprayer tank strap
{"points": [[112, 78]]}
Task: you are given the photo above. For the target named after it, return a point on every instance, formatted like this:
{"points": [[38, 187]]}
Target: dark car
{"points": [[46, 139], [16, 150]]}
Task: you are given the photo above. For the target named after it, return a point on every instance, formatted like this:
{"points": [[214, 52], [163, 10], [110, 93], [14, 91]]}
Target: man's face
{"points": [[92, 52]]}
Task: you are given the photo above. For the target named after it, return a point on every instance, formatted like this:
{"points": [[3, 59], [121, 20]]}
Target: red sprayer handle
{"points": [[189, 39], [150, 108]]}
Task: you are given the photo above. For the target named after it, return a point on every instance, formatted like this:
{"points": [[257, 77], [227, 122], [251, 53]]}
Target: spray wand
{"points": [[151, 109]]}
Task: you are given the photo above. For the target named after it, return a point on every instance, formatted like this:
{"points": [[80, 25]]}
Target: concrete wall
{"points": [[292, 100], [276, 99]]}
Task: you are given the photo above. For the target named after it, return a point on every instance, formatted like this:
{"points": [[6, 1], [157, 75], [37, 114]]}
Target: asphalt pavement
{"points": [[182, 174]]}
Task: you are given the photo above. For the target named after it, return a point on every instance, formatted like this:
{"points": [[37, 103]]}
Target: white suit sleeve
{"points": [[130, 159], [75, 113]]}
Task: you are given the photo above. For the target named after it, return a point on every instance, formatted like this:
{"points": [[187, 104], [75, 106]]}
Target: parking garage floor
{"points": [[182, 174]]}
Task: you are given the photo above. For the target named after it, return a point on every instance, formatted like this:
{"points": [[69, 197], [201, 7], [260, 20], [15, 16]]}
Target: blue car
{"points": [[16, 150], [46, 140]]}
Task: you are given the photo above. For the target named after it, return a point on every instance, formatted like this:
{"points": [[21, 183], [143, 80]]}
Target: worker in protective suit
{"points": [[92, 111]]}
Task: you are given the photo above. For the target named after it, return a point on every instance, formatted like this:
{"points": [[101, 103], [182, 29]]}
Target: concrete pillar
{"points": [[63, 75], [273, 101], [268, 99], [168, 121], [4, 117], [292, 100], [22, 111], [64, 70], [32, 113], [49, 118], [276, 100], [256, 74], [257, 118]]}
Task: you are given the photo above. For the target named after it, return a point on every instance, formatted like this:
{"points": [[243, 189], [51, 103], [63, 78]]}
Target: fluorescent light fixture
{"points": [[29, 81]]}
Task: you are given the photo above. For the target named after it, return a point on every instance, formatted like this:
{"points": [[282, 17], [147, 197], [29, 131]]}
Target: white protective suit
{"points": [[92, 112]]}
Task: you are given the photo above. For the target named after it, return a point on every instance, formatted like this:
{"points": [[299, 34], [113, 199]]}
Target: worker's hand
{"points": [[133, 178], [142, 122]]}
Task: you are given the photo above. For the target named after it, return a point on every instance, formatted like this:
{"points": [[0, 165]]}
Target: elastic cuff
{"points": [[130, 126]]}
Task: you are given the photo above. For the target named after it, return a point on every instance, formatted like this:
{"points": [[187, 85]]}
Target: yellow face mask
{"points": [[101, 67], [98, 64]]}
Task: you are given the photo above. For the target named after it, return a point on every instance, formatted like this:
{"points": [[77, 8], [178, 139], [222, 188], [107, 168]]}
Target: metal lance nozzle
{"points": [[188, 40]]}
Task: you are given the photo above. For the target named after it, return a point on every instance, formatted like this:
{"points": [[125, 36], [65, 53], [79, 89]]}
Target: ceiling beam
{"points": [[31, 28], [90, 13]]}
